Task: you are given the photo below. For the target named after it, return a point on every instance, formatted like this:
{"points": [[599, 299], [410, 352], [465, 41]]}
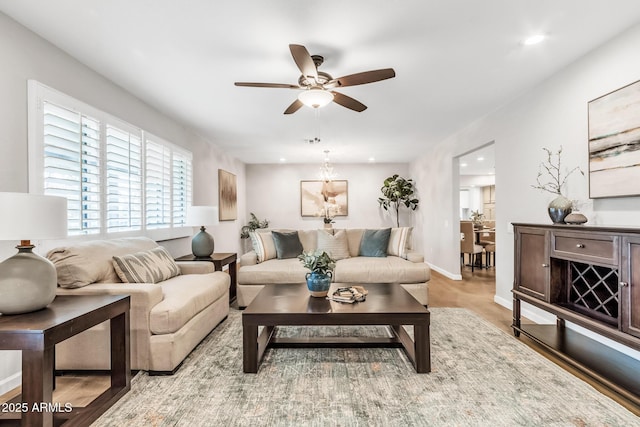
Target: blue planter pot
{"points": [[318, 284]]}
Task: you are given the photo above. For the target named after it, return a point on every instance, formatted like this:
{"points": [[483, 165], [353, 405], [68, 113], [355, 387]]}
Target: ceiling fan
{"points": [[318, 86]]}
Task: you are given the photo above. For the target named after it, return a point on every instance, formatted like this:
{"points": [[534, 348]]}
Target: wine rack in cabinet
{"points": [[589, 276]]}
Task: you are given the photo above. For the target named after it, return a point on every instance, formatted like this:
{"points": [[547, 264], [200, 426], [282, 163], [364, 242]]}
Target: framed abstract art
{"points": [[316, 195], [614, 143], [227, 196]]}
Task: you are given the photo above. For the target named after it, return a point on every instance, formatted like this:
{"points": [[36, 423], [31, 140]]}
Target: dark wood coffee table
{"points": [[291, 305]]}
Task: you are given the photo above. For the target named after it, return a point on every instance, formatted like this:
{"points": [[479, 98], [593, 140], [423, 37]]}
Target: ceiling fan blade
{"points": [[295, 106], [303, 60], [276, 85], [348, 102], [366, 77]]}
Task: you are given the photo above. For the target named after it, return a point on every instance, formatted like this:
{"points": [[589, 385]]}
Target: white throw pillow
{"points": [[337, 246], [263, 245], [399, 241]]}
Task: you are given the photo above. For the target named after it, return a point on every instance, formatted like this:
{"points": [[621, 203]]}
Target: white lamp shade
{"points": [[198, 216], [25, 216], [315, 97]]}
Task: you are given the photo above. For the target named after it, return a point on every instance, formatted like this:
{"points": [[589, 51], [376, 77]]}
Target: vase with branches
{"points": [[552, 178], [397, 191]]}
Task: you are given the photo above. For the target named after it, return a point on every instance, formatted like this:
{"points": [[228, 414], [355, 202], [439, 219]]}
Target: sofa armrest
{"points": [[415, 257], [144, 296], [250, 258], [196, 267]]}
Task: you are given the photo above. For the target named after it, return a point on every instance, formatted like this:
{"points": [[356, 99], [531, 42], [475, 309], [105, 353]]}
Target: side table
{"points": [[37, 333], [219, 260]]}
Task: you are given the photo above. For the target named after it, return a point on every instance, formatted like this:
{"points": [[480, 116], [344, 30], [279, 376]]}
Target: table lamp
{"points": [[199, 216], [28, 281]]}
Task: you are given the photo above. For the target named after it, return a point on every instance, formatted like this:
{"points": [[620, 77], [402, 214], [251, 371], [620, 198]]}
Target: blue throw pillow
{"points": [[287, 244], [374, 243]]}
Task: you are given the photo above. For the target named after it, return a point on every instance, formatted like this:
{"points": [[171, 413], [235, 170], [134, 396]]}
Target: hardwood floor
{"points": [[475, 293]]}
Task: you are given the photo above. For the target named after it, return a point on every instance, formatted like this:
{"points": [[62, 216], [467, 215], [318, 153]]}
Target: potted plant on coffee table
{"points": [[319, 278]]}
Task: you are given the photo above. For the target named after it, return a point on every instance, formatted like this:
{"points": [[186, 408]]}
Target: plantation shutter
{"points": [[157, 185], [72, 165], [181, 187], [123, 180]]}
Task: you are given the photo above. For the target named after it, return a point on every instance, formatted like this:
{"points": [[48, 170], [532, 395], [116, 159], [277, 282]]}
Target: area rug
{"points": [[481, 376]]}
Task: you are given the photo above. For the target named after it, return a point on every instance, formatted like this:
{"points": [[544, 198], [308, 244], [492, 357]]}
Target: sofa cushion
{"points": [[354, 237], [335, 245], [374, 243], [399, 241], [390, 269], [273, 271], [287, 244], [89, 262], [309, 240], [263, 245], [152, 266], [178, 306]]}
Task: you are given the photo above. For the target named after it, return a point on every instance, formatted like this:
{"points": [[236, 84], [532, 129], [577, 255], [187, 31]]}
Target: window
{"points": [[72, 165], [117, 177], [124, 180]]}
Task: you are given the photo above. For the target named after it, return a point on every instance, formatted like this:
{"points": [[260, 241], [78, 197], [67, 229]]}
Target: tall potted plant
{"points": [[397, 191], [321, 265]]}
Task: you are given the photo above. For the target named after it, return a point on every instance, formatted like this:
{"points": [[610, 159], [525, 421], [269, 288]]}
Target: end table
{"points": [[219, 260], [37, 333]]}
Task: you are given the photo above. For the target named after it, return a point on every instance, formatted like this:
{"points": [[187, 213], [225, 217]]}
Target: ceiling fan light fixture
{"points": [[315, 97]]}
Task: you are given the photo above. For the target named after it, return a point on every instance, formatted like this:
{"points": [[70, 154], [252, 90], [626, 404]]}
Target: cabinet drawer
{"points": [[590, 248]]}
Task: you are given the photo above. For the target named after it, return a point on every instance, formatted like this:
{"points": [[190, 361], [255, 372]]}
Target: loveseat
{"points": [[397, 264], [173, 305]]}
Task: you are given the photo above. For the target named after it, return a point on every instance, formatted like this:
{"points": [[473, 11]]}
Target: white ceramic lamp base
{"points": [[27, 282]]}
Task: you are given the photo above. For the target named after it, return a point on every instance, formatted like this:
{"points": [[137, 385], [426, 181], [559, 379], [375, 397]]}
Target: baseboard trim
{"points": [[445, 273], [529, 314], [11, 382]]}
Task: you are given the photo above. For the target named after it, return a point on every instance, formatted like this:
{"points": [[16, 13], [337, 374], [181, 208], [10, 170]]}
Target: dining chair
{"points": [[468, 244], [490, 250]]}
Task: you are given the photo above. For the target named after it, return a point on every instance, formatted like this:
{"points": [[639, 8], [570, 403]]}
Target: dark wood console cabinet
{"points": [[589, 276]]}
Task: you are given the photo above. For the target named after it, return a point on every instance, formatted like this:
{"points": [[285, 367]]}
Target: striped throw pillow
{"points": [[152, 266], [263, 245], [399, 242]]}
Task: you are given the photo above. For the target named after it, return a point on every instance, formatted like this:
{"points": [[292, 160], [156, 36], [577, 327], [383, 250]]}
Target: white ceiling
{"points": [[455, 60], [479, 162]]}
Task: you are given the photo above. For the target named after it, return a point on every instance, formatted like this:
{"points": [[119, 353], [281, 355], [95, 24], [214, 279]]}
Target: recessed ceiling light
{"points": [[282, 160], [480, 159], [463, 165], [372, 159], [535, 39]]}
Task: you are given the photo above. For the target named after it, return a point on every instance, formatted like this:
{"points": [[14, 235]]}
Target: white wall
{"points": [[273, 193], [27, 56], [550, 115]]}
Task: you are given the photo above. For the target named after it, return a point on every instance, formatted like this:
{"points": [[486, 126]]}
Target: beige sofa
{"points": [[167, 319], [399, 266]]}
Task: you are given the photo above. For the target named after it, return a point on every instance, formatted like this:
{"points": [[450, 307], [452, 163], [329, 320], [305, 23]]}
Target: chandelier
{"points": [[327, 174]]}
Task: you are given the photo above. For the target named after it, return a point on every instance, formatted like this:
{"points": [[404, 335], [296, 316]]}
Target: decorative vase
{"points": [[318, 283], [559, 208], [575, 218], [28, 282], [328, 225]]}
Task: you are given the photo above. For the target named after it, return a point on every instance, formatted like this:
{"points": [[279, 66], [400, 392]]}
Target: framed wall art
{"points": [[315, 195], [614, 143], [227, 196]]}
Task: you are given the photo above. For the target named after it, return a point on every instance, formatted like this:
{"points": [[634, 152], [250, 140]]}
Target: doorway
{"points": [[477, 204]]}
